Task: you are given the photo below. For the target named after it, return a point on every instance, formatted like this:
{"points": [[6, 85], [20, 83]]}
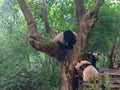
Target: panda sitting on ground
{"points": [[65, 40], [89, 71], [84, 71]]}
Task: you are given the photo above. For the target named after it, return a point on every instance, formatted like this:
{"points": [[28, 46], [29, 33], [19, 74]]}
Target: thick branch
{"points": [[45, 19], [28, 16], [49, 48], [80, 9], [35, 39], [96, 8]]}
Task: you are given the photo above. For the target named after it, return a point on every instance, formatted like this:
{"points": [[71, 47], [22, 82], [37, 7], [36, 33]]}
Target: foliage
{"points": [[27, 79], [106, 28], [21, 67], [106, 31]]}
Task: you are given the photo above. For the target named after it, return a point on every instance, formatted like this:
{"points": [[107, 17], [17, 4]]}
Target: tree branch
{"points": [[80, 9], [96, 8], [44, 17], [29, 18], [36, 40]]}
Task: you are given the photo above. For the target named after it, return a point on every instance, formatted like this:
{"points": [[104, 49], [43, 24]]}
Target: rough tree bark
{"points": [[85, 21], [111, 54]]}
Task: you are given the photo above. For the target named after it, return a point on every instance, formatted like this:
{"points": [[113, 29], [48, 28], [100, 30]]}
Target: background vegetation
{"points": [[22, 67]]}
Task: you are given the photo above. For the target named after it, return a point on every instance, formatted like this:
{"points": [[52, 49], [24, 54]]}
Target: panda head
{"points": [[92, 57], [65, 40], [96, 56]]}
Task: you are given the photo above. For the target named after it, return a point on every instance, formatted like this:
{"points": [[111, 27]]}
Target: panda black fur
{"points": [[65, 40], [84, 71], [92, 58]]}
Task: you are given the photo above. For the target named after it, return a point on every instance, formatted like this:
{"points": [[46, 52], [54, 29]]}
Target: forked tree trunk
{"points": [[111, 55], [85, 22]]}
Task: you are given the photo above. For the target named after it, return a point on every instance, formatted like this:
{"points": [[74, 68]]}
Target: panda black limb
{"points": [[69, 38]]}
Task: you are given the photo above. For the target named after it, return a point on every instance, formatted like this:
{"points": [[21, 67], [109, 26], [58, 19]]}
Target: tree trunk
{"points": [[85, 22], [66, 83], [111, 55], [66, 72]]}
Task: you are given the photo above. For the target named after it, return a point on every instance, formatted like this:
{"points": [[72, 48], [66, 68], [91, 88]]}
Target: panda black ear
{"points": [[98, 54]]}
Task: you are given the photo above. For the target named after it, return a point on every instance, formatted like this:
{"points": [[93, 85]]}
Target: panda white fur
{"points": [[89, 73], [65, 40], [96, 55]]}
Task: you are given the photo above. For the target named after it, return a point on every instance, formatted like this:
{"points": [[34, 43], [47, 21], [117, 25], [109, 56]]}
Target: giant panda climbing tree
{"points": [[85, 21]]}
